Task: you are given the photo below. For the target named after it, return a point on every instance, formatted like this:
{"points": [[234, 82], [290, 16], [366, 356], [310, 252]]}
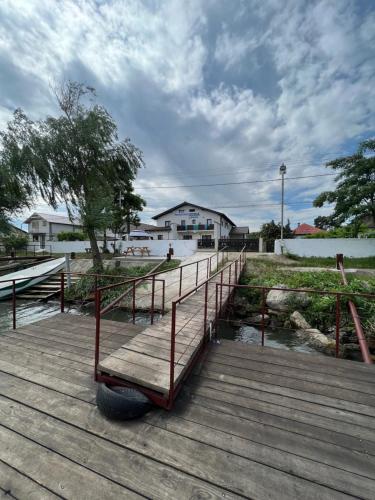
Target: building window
{"points": [[209, 222], [160, 236], [35, 237], [35, 224], [167, 223], [194, 221], [181, 211], [206, 237], [187, 237], [44, 223], [183, 223], [191, 209]]}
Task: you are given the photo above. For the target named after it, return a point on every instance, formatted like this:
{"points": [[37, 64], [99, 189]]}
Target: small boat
{"points": [[29, 277]]}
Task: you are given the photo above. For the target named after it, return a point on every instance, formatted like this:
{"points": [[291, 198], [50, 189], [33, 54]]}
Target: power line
{"points": [[234, 183]]}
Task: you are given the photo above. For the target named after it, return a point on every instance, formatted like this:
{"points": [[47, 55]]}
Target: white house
{"points": [[188, 221], [45, 227]]}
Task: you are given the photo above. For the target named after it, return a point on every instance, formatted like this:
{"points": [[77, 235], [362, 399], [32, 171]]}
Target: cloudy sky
{"points": [[213, 91]]}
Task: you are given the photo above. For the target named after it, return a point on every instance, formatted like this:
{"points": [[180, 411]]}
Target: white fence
{"points": [[328, 247], [159, 248]]}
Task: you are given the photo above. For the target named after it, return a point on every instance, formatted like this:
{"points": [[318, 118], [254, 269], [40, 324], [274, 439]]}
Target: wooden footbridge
{"points": [[158, 359]]}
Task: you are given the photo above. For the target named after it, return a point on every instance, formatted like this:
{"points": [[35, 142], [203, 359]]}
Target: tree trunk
{"points": [[97, 261]]}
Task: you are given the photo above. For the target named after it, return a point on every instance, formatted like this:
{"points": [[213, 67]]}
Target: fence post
{"points": [[163, 300], [133, 302], [196, 274], [14, 303], [263, 311], [62, 293], [216, 308], [208, 272], [171, 366], [205, 308], [337, 346], [179, 294], [152, 299], [221, 289], [97, 330]]}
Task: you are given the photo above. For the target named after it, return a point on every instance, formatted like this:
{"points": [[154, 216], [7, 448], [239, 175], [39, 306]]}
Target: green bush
{"points": [[14, 241], [71, 236]]}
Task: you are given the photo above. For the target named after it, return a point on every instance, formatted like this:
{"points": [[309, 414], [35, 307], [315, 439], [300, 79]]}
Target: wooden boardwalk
{"points": [[251, 422], [145, 360]]}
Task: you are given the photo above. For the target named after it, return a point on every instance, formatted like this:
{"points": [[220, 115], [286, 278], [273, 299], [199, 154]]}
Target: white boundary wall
{"points": [[328, 247], [159, 248]]}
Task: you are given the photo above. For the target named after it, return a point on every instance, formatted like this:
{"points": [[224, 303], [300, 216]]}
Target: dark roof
{"points": [[196, 206], [306, 229], [148, 227], [54, 218], [240, 230]]}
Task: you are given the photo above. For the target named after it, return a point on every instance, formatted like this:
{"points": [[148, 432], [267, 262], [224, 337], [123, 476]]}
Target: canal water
{"points": [[29, 312]]}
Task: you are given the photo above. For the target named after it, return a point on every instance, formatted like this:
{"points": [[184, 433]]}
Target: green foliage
{"points": [[349, 231], [14, 241], [272, 231], [323, 222], [349, 262], [76, 158], [71, 236], [320, 312], [354, 196]]}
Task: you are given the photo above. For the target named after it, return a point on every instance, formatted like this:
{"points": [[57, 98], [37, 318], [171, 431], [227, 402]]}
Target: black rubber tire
{"points": [[121, 403]]}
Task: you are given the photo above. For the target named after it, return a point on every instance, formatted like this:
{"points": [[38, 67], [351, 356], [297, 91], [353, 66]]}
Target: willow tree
{"points": [[77, 158], [354, 194]]}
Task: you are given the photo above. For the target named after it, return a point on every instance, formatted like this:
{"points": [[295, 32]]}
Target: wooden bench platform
{"points": [[253, 422]]}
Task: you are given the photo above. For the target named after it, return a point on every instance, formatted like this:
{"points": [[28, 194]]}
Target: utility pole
{"points": [[282, 172]]}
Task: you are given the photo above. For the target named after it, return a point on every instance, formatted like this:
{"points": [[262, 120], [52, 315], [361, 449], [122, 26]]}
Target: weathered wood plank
{"points": [[55, 472], [18, 485]]}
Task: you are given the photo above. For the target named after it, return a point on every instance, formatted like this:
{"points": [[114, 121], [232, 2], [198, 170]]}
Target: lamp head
{"points": [[283, 169]]}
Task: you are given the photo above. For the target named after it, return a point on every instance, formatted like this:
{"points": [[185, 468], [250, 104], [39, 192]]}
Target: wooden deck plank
{"points": [[17, 485], [237, 474]]}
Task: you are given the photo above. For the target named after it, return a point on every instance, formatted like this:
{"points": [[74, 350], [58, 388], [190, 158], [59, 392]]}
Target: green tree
{"points": [[354, 195], [323, 222], [16, 187], [272, 231], [78, 158]]}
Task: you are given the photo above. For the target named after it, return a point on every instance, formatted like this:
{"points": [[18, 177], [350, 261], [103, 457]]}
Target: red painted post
{"points": [[62, 290], [171, 366], [337, 325], [152, 299], [179, 294], [133, 302], [97, 331], [196, 274], [205, 308], [221, 289], [263, 311], [163, 300], [14, 303]]}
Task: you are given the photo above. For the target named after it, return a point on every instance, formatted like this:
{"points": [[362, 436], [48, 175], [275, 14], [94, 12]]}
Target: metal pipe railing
{"points": [[355, 316]]}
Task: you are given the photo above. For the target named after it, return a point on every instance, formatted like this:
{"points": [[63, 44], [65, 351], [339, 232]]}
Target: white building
{"points": [[188, 221], [45, 227]]}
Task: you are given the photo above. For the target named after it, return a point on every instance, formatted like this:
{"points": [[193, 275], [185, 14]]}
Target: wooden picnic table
{"points": [[141, 250]]}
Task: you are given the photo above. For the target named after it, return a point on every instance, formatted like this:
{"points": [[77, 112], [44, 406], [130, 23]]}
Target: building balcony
{"points": [[196, 227]]}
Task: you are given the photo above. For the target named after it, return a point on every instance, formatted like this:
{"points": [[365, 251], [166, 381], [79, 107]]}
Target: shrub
{"points": [[16, 241], [71, 236]]}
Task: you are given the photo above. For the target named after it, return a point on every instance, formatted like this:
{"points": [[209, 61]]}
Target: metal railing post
{"points": [[62, 293], [163, 300], [205, 308], [152, 299], [133, 302], [196, 274], [171, 366], [221, 289], [179, 293], [208, 272], [337, 346], [14, 303], [97, 331], [263, 311], [216, 308]]}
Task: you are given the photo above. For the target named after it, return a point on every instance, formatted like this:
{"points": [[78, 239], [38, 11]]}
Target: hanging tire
{"points": [[121, 403]]}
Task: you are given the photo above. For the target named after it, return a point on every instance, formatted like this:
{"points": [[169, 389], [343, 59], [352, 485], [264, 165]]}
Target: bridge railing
{"points": [[338, 296]]}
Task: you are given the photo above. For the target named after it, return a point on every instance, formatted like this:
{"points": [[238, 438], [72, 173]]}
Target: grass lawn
{"points": [[349, 262]]}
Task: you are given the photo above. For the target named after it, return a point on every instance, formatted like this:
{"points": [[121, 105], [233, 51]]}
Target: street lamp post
{"points": [[282, 172]]}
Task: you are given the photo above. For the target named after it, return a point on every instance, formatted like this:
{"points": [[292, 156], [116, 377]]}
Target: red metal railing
{"points": [[265, 290], [355, 316]]}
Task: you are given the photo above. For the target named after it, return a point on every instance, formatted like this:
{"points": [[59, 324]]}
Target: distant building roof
{"points": [[196, 206], [303, 229], [239, 230], [54, 218]]}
